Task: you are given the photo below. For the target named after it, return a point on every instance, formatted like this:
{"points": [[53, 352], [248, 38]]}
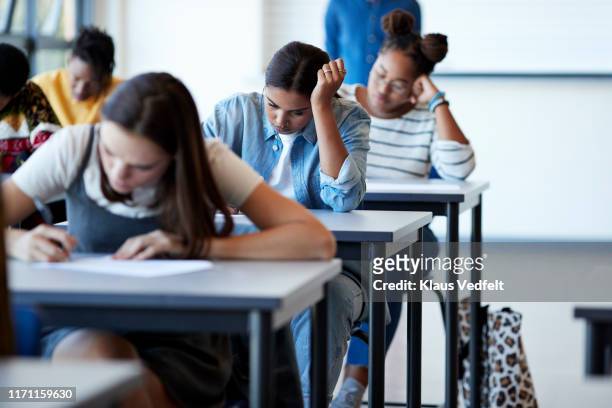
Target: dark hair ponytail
{"points": [[425, 51], [294, 67], [160, 108]]}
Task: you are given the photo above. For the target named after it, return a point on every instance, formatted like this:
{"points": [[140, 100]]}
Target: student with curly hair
{"points": [[78, 91], [412, 130]]}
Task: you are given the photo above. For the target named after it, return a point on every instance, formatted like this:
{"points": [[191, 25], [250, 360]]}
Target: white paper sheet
{"points": [[139, 269], [383, 187]]}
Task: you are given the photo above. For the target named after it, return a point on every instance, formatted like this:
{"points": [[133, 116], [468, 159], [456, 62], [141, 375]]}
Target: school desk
{"points": [[363, 236], [447, 199], [598, 350], [231, 297]]}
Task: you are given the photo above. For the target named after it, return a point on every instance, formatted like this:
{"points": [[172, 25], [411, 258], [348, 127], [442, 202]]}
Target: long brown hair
{"points": [[159, 107], [425, 51], [6, 326]]}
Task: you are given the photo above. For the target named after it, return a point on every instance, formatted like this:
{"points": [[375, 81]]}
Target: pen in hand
{"points": [[47, 217]]}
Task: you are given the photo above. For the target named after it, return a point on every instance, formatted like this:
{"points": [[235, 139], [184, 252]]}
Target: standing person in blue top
{"points": [[353, 32], [142, 184], [412, 129], [311, 146]]}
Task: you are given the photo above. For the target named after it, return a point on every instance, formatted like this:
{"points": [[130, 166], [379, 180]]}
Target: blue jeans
{"points": [[345, 305]]}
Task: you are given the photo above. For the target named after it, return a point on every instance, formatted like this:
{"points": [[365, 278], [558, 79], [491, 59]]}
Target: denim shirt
{"points": [[241, 123]]}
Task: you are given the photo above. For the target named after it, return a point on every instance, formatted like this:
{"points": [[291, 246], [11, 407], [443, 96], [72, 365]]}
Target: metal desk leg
{"points": [[596, 363], [376, 373], [415, 317], [260, 359], [318, 344], [452, 329], [476, 329]]}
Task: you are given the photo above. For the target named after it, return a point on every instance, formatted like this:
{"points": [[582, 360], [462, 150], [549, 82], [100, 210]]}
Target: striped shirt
{"points": [[406, 147]]}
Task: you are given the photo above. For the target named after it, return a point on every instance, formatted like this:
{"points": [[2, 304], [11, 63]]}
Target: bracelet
{"points": [[439, 102], [435, 100]]}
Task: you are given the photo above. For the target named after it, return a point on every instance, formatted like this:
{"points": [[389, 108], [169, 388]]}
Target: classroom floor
{"points": [[554, 342]]}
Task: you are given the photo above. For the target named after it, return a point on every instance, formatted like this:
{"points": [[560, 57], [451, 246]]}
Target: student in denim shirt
{"points": [[312, 147]]}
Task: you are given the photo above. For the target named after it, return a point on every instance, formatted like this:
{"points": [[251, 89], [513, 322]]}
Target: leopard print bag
{"points": [[506, 379]]}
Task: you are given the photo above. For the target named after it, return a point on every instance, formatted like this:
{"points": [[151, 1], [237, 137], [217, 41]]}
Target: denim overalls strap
{"points": [[95, 228]]}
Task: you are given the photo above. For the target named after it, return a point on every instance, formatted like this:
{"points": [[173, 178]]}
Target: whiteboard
{"points": [[522, 36]]}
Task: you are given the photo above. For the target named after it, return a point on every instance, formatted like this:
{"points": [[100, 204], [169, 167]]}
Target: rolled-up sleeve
{"points": [[452, 160], [345, 192]]}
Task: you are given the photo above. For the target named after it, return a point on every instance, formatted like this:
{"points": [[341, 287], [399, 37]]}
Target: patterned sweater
{"points": [[25, 123]]}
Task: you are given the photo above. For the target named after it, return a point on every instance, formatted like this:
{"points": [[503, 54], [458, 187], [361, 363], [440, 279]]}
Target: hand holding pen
{"points": [[45, 242]]}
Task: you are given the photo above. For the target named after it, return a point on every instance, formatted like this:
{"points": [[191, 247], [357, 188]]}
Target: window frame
{"points": [[32, 41]]}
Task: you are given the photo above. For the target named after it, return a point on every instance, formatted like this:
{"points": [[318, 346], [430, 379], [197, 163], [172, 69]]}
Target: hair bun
{"points": [[397, 23], [434, 47]]}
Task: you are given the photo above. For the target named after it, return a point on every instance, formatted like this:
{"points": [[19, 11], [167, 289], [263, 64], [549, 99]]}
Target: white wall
{"points": [[523, 35], [213, 46], [543, 143]]}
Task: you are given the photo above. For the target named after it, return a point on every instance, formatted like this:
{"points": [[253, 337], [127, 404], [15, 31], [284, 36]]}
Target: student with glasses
{"points": [[412, 130]]}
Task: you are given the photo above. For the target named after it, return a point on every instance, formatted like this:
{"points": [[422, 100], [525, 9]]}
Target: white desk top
{"points": [[227, 285], [366, 226], [423, 190]]}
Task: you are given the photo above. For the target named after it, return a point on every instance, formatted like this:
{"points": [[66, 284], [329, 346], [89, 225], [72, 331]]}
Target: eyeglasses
{"points": [[397, 87]]}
